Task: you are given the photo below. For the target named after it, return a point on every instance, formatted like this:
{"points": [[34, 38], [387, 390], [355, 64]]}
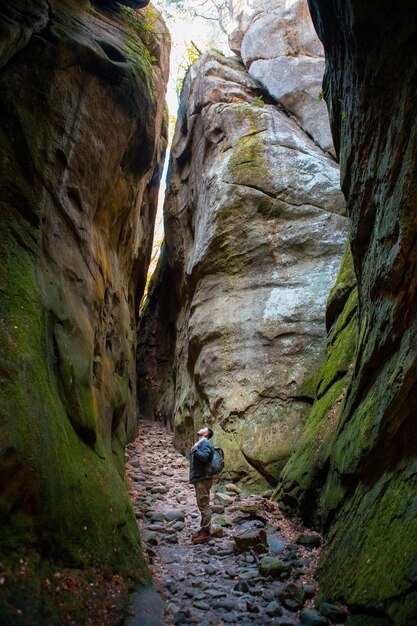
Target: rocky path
{"points": [[258, 567]]}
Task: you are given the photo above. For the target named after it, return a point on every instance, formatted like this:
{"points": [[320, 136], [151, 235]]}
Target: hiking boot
{"points": [[197, 534], [202, 537]]}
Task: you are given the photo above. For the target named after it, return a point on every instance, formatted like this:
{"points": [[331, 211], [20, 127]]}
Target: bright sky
{"points": [[185, 28]]}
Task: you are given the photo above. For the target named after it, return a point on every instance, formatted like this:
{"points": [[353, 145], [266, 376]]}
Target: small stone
{"points": [[215, 593], [224, 498], [181, 617], [171, 587], [275, 545], [172, 539], [250, 575], [210, 569], [268, 595], [217, 532], [233, 488], [223, 520], [333, 612], [155, 516], [249, 508], [173, 607], [259, 591], [309, 591], [273, 609], [178, 526], [310, 541], [232, 572], [203, 606], [217, 509], [250, 538], [159, 489], [241, 586], [251, 607], [292, 597], [272, 566], [175, 516], [150, 538], [157, 527], [226, 604], [312, 618]]}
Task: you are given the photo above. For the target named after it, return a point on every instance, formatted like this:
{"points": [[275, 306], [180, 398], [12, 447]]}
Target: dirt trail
{"points": [[214, 583]]}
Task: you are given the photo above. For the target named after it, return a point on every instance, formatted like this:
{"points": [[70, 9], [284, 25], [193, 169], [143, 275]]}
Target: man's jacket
{"points": [[200, 461]]}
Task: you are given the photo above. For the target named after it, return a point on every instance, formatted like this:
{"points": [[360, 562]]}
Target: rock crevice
{"points": [[255, 227]]}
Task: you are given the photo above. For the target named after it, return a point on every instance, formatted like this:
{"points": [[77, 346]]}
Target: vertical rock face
{"points": [[255, 230], [82, 138], [366, 489]]}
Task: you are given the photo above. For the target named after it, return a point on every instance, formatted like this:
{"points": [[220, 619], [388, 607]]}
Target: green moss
{"points": [[77, 509], [372, 543], [342, 352], [248, 163]]}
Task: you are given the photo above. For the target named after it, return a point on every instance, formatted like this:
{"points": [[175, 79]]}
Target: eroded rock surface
{"points": [[82, 139], [365, 491], [280, 48], [255, 228]]}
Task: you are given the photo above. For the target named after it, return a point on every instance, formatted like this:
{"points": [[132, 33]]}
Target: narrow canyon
{"points": [[282, 313]]}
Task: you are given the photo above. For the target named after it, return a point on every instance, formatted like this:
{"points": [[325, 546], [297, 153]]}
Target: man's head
{"points": [[205, 432]]}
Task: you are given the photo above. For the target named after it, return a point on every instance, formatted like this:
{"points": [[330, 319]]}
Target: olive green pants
{"points": [[202, 493]]}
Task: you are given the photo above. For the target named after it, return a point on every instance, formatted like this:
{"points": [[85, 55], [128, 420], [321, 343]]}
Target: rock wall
{"points": [[83, 139], [364, 490], [278, 45], [255, 229]]}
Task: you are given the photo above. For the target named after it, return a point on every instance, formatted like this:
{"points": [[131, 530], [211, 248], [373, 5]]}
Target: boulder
{"points": [[250, 537], [255, 226], [280, 48]]}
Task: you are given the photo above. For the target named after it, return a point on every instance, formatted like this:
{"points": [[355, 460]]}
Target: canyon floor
{"points": [[231, 579]]}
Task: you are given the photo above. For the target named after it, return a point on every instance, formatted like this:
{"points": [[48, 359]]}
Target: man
{"points": [[201, 477]]}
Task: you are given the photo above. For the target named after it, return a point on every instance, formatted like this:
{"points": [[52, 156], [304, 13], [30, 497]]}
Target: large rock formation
{"points": [[363, 487], [255, 230], [82, 139], [280, 48]]}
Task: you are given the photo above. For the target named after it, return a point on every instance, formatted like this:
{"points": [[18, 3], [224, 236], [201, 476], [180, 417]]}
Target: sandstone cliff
{"points": [[358, 480], [255, 230], [83, 139]]}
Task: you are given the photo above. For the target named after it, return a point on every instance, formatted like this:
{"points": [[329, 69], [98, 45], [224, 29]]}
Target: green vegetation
{"points": [[259, 101], [193, 53]]}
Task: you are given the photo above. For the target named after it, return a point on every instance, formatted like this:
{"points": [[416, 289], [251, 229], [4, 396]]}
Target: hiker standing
{"points": [[201, 476]]}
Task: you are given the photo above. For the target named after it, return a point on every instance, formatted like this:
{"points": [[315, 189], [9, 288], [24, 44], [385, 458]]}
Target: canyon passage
{"points": [[282, 313]]}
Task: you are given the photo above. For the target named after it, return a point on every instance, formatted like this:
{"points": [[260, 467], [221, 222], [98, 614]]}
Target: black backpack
{"points": [[217, 461]]}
